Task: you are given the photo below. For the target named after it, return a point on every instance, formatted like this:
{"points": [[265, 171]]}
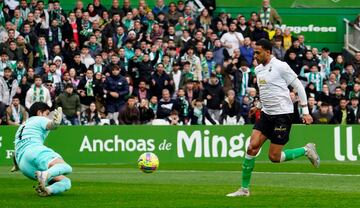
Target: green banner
{"points": [[124, 144], [321, 27]]}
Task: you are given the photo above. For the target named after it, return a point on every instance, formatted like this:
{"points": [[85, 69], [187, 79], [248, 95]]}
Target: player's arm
{"points": [[56, 121], [296, 84]]}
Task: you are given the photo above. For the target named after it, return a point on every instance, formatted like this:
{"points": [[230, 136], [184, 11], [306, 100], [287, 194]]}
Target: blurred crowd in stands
{"points": [[181, 63]]}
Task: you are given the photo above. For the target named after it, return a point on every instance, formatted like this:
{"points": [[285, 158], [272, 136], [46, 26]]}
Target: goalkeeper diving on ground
{"points": [[34, 159]]}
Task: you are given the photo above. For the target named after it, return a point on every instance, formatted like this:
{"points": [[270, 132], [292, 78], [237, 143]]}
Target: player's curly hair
{"points": [[38, 106]]}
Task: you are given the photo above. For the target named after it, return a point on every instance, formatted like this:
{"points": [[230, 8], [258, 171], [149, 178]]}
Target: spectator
{"points": [[52, 76], [142, 92], [332, 83], [204, 20], [153, 104], [210, 5], [16, 113], [270, 30], [309, 59], [343, 114], [74, 78], [160, 7], [86, 58], [146, 113], [295, 100], [268, 14], [323, 115], [160, 80], [301, 39], [339, 62], [129, 114], [325, 95], [314, 76], [175, 76], [231, 112], [8, 86], [325, 62], [232, 39], [287, 39], [41, 54], [355, 93], [181, 6], [23, 87], [214, 95], [79, 67], [2, 113], [335, 98], [126, 8], [166, 105], [116, 89], [356, 63], [348, 75], [294, 62], [312, 105], [247, 51], [98, 7], [219, 52], [354, 105], [37, 93], [115, 8], [254, 111], [295, 47], [278, 50], [86, 90], [243, 28], [70, 103], [199, 113], [173, 119], [259, 33], [183, 106]]}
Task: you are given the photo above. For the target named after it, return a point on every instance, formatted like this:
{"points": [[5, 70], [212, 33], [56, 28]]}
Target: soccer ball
{"points": [[148, 162]]}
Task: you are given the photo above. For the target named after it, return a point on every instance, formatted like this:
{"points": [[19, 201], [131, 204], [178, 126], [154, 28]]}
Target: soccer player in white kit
{"points": [[273, 79]]}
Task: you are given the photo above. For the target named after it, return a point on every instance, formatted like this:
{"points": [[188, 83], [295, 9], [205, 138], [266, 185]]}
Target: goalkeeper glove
{"points": [[57, 118]]}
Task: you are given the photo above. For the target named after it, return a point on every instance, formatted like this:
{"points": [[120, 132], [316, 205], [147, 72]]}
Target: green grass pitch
{"points": [[294, 184]]}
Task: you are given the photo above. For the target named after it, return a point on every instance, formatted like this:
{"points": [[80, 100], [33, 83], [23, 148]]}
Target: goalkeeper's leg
{"points": [[53, 167], [59, 184]]}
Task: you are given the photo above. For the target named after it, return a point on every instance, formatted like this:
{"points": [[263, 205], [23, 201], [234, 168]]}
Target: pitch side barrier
{"points": [[177, 144]]}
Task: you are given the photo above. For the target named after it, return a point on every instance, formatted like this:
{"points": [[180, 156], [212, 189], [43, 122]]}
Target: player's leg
{"points": [[256, 141], [59, 184], [56, 167], [277, 155], [280, 136]]}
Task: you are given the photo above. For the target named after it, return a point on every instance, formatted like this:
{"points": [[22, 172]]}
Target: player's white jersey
{"points": [[273, 80]]}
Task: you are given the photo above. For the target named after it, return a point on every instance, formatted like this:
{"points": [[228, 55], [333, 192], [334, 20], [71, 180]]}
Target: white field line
{"points": [[201, 171]]}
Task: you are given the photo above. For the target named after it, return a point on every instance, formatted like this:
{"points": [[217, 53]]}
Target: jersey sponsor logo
{"points": [[350, 154], [262, 81]]}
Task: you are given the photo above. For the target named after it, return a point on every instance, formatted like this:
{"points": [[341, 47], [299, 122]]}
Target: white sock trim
{"points": [[249, 157], [283, 156]]}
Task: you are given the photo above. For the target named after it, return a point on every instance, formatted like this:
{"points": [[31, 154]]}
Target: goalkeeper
{"points": [[37, 161]]}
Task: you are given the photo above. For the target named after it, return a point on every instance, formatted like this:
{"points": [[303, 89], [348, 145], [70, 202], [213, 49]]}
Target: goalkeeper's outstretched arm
{"points": [[56, 121]]}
